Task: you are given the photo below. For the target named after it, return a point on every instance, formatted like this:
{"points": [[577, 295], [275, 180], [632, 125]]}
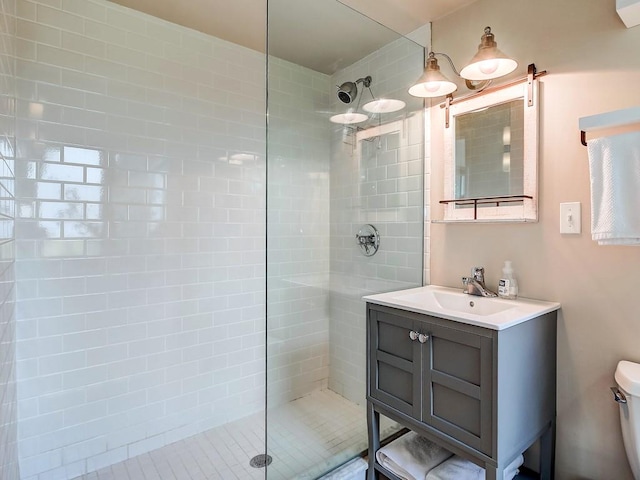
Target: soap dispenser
{"points": [[508, 286]]}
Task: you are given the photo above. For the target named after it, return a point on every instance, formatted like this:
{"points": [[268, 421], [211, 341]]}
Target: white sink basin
{"points": [[453, 304], [458, 302]]}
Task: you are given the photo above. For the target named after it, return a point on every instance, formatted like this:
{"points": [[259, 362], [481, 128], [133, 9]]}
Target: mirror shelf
{"points": [[483, 221], [476, 202]]}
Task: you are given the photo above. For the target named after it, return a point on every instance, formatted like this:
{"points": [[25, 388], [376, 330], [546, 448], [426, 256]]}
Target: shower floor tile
{"points": [[307, 438]]}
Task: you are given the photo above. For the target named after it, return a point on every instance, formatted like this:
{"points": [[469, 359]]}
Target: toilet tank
{"points": [[628, 379]]}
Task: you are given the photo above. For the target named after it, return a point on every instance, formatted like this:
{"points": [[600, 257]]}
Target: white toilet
{"points": [[628, 396]]}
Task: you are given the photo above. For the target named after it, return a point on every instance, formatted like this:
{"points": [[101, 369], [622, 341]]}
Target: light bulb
{"points": [[506, 135], [432, 89], [489, 66], [432, 86], [506, 162]]}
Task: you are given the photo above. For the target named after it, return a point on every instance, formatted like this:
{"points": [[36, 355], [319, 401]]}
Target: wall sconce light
{"points": [[487, 64], [348, 92], [432, 83]]}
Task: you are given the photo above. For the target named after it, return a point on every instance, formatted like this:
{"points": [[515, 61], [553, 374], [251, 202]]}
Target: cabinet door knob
{"points": [[413, 335], [422, 338]]}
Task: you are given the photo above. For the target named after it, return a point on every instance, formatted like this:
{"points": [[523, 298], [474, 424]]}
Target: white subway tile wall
{"points": [[8, 393], [376, 178], [141, 227], [298, 231]]}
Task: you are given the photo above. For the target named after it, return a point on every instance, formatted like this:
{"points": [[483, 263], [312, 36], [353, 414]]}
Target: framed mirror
{"points": [[491, 156]]}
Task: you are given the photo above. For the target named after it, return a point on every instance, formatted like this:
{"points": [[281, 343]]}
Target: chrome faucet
{"points": [[474, 285]]}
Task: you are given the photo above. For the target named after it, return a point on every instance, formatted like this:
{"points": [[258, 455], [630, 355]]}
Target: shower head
{"points": [[348, 91]]}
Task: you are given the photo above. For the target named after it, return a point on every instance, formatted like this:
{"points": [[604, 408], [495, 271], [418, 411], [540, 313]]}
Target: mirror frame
{"points": [[527, 210]]}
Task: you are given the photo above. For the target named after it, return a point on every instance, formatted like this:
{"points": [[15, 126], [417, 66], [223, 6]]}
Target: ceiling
{"points": [[324, 35]]}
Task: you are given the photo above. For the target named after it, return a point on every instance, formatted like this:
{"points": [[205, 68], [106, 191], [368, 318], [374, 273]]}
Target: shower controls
{"points": [[368, 239]]}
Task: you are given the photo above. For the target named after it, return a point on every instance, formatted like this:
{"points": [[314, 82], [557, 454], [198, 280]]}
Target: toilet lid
{"points": [[628, 377]]}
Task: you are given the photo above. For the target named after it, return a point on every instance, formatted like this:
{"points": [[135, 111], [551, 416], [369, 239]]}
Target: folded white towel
{"points": [[457, 468], [411, 456], [513, 468], [614, 164]]}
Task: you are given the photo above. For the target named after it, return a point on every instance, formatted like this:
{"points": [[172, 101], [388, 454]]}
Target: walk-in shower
{"points": [[188, 279]]}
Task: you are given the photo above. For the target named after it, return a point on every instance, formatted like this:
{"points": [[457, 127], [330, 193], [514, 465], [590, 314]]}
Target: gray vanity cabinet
{"points": [[441, 377], [482, 393]]}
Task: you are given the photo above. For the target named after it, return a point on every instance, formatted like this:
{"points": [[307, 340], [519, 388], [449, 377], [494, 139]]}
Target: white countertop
{"points": [[453, 304]]}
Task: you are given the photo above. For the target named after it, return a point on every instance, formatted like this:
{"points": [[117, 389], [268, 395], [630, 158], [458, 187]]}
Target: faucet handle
{"points": [[466, 281], [478, 273]]}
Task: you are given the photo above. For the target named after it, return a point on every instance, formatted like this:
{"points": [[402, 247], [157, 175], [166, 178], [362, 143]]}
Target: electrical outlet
{"points": [[570, 217]]}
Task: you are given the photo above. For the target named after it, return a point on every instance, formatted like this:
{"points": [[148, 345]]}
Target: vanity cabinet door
{"points": [[395, 362], [457, 373]]}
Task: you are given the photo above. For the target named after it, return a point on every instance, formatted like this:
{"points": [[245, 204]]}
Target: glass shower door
{"points": [[325, 182]]}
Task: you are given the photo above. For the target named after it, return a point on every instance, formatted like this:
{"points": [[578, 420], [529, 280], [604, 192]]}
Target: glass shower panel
{"points": [[326, 181]]}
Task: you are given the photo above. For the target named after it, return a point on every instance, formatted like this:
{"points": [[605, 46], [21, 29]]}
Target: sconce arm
{"points": [[471, 85], [477, 85], [453, 67]]}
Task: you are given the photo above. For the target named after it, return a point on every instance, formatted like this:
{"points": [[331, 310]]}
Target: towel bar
{"points": [[615, 118]]}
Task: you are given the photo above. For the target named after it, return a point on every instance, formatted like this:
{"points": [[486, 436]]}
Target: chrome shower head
{"points": [[347, 92]]}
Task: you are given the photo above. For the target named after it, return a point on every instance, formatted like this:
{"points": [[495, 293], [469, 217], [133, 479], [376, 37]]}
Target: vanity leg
{"points": [[491, 473], [373, 428], [547, 452]]}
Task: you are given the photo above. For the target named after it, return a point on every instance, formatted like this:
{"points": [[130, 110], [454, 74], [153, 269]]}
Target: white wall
{"points": [[593, 67], [375, 181], [141, 218], [8, 399]]}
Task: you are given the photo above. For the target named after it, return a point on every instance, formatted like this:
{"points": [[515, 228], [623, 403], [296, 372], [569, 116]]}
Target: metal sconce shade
{"points": [[432, 83], [489, 62], [348, 118], [384, 105]]}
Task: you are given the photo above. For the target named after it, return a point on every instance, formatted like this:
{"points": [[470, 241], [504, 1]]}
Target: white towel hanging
{"points": [[614, 165]]}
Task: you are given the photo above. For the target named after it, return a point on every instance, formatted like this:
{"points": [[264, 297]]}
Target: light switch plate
{"points": [[570, 217]]}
